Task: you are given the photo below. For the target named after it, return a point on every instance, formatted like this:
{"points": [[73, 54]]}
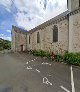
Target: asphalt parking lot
{"points": [[21, 72]]}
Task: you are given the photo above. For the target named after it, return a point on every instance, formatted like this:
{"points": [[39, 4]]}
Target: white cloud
{"points": [[5, 37], [6, 3], [31, 13], [9, 31], [24, 21], [35, 10]]}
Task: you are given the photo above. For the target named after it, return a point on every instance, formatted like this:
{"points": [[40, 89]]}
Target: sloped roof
{"points": [[17, 29], [51, 20]]}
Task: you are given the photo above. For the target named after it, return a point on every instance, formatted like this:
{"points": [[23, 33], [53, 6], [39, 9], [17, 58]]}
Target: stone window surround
{"points": [[55, 35], [29, 39], [38, 37]]}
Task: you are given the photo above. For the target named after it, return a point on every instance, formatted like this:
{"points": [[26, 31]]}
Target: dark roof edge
{"points": [[17, 29], [53, 20], [64, 14]]}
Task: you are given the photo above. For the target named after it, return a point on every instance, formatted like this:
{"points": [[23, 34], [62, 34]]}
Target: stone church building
{"points": [[59, 34]]}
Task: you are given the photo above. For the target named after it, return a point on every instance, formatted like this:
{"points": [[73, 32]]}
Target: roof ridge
{"points": [[65, 13]]}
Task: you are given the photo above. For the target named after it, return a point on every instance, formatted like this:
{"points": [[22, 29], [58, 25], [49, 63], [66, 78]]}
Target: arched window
{"points": [[29, 39], [55, 33], [38, 37]]}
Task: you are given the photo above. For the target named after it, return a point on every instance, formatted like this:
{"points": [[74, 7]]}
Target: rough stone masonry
{"points": [[61, 33]]}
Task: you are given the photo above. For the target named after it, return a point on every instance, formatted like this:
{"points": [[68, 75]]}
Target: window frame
{"points": [[29, 39], [38, 37], [55, 33]]}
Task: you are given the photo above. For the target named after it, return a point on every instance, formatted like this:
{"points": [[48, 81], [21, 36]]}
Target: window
{"points": [[38, 37], [29, 39], [55, 33], [79, 3]]}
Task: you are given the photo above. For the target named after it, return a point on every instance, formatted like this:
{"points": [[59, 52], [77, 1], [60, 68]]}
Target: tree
{"points": [[5, 44]]}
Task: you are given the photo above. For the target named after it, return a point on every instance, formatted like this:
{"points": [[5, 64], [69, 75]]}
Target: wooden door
{"points": [[21, 48]]}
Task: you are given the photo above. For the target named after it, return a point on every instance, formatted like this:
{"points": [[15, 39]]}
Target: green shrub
{"points": [[48, 55], [5, 44], [1, 48], [72, 58], [41, 53], [58, 58]]}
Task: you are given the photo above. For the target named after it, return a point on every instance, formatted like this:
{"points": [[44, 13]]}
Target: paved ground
{"points": [[22, 72]]}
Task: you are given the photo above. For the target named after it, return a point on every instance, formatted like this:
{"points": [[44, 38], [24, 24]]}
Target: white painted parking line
{"points": [[64, 89], [72, 80], [32, 60], [45, 80], [50, 64], [49, 75], [45, 63], [29, 68], [37, 70], [26, 62]]}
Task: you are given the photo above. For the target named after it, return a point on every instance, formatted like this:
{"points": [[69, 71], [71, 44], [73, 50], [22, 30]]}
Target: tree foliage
{"points": [[4, 44]]}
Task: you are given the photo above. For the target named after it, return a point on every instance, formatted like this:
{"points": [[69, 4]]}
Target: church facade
{"points": [[59, 34]]}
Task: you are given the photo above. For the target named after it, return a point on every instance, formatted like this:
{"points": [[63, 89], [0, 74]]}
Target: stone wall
{"points": [[13, 40], [68, 24], [73, 5], [74, 33], [46, 38], [18, 39]]}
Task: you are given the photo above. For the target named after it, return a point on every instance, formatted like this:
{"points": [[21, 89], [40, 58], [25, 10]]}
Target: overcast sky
{"points": [[27, 13]]}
